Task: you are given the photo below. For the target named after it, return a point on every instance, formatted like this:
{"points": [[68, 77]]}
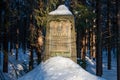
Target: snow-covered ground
{"points": [[59, 68], [107, 74], [24, 58], [16, 68]]}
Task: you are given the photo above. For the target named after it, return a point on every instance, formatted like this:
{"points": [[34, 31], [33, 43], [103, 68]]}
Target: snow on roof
{"points": [[59, 68], [61, 10]]}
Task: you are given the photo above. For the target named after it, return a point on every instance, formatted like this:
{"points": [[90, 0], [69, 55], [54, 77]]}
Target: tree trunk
{"points": [[93, 35], [5, 48], [94, 45], [17, 43], [38, 52], [0, 30], [118, 38], [25, 33], [39, 45], [5, 36], [83, 49], [31, 58], [31, 40], [0, 14], [109, 34], [83, 53], [78, 45], [91, 43], [11, 40], [86, 41], [99, 40], [5, 61]]}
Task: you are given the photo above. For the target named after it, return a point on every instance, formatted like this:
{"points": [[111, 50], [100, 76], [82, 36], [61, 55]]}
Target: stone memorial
{"points": [[60, 34]]}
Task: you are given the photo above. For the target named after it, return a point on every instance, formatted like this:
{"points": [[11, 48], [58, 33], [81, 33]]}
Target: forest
{"points": [[23, 31]]}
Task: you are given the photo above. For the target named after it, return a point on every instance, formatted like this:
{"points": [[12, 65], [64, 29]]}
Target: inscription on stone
{"points": [[60, 38]]}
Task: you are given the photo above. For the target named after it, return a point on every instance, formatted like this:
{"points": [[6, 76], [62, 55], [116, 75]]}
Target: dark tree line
{"points": [[101, 34], [17, 26]]}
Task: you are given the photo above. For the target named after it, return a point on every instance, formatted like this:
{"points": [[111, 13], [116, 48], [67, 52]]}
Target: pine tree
{"points": [[40, 14]]}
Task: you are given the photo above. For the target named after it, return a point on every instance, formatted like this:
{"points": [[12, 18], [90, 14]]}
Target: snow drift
{"points": [[59, 68], [61, 10]]}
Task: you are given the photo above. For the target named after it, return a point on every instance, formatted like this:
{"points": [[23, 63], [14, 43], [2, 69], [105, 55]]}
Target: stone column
{"points": [[60, 34]]}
